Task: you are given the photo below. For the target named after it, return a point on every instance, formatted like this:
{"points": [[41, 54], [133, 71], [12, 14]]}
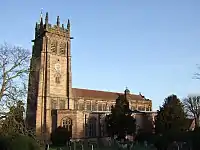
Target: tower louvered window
{"points": [[53, 47]]}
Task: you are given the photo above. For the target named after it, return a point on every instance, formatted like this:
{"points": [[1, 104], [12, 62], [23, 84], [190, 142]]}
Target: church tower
{"points": [[50, 78]]}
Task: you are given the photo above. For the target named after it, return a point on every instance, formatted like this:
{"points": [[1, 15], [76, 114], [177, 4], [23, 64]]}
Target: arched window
{"points": [[67, 123]]}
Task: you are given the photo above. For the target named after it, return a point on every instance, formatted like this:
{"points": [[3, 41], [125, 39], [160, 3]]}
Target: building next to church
{"points": [[52, 101]]}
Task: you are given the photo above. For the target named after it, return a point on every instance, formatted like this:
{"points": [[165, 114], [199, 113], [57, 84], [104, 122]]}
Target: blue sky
{"points": [[151, 47]]}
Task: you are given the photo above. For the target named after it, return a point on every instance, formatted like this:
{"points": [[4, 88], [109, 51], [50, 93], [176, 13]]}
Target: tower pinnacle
{"points": [[41, 15], [46, 18], [58, 21], [68, 24]]}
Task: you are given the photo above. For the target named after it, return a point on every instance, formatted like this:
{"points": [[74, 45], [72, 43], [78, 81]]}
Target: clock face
{"points": [[58, 67]]}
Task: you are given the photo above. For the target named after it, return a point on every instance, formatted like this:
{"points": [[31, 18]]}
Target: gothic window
{"points": [[53, 47], [62, 104], [88, 106], [67, 123], [81, 106], [104, 107], [92, 127], [53, 104], [100, 107], [94, 106], [62, 48]]}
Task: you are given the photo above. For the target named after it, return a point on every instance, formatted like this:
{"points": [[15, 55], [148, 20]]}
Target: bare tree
{"points": [[14, 69], [192, 107]]}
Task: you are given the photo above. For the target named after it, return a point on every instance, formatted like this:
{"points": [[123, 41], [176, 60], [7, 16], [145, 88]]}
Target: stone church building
{"points": [[53, 102]]}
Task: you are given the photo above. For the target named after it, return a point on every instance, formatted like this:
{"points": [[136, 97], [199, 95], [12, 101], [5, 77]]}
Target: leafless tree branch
{"points": [[192, 107]]}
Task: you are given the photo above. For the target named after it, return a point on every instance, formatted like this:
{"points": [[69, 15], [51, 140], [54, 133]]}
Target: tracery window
{"points": [[67, 123]]}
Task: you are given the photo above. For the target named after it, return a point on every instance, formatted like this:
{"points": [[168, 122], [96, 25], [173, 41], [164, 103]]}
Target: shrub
{"points": [[22, 142], [60, 136]]}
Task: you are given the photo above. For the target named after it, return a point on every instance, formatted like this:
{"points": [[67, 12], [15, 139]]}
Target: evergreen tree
{"points": [[120, 122], [14, 122], [171, 117]]}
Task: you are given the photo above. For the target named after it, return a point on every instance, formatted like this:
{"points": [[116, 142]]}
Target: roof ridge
{"points": [[106, 91]]}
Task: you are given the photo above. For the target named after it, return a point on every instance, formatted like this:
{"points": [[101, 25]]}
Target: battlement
{"points": [[58, 28]]}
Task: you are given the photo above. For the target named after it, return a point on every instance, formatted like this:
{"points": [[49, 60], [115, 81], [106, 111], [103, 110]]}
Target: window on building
{"points": [[88, 106], [141, 108], [81, 106], [94, 106], [104, 107], [148, 108], [67, 123], [62, 48], [133, 108], [54, 104], [109, 107], [76, 105], [57, 79], [62, 104], [92, 127], [100, 107], [53, 47]]}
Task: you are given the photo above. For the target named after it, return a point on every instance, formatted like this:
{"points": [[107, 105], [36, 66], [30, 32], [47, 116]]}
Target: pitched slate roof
{"points": [[86, 93]]}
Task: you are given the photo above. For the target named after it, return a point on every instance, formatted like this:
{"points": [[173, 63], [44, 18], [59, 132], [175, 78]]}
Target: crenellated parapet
{"points": [[58, 29]]}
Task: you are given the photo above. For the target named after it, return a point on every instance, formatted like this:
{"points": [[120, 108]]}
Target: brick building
{"points": [[52, 101]]}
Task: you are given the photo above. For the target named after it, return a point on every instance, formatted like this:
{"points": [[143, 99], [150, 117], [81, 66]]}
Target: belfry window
{"points": [[62, 48], [53, 47]]}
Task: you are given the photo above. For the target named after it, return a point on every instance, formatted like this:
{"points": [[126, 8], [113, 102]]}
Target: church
{"points": [[53, 102]]}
